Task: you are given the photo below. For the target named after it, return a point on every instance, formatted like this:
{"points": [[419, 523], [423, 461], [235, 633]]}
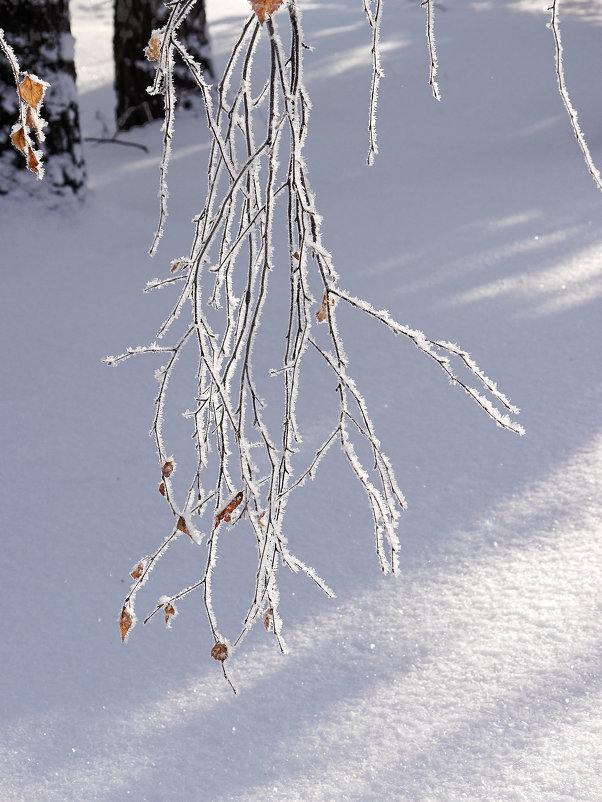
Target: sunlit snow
{"points": [[474, 675]]}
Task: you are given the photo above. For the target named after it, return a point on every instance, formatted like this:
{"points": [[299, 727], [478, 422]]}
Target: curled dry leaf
{"points": [[32, 120], [153, 50], [162, 488], [170, 611], [181, 525], [125, 622], [137, 572], [167, 469], [263, 7], [267, 618], [226, 513], [31, 90], [19, 141], [174, 266], [219, 652], [322, 312], [33, 163]]}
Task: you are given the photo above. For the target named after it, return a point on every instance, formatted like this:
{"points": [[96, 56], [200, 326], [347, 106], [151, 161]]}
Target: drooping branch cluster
{"points": [[259, 220], [30, 91]]}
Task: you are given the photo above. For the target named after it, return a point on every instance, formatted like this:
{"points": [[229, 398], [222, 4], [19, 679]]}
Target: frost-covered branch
{"points": [[260, 221], [430, 38], [373, 11], [555, 26], [30, 94], [432, 349]]}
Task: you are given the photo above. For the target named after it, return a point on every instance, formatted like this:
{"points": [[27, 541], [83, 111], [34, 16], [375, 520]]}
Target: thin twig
{"points": [[374, 19], [555, 26], [430, 38]]}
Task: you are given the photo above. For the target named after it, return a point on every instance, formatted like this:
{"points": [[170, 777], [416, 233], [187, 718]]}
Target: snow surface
{"points": [[476, 675]]}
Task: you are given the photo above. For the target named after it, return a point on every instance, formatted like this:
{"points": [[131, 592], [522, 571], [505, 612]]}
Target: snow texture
{"points": [[477, 674]]}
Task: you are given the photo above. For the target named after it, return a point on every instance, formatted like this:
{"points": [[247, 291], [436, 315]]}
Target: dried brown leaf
{"points": [[267, 618], [170, 611], [219, 652], [153, 50], [31, 90], [263, 7], [125, 622], [226, 513], [322, 312], [167, 469], [137, 572], [32, 120], [33, 163], [181, 525], [162, 488], [19, 141]]}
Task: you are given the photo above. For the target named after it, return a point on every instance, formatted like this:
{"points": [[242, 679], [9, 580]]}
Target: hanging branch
{"points": [[30, 94], [555, 26], [372, 9], [430, 38], [259, 218]]}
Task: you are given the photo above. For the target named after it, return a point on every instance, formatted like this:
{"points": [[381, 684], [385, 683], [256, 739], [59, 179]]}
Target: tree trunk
{"points": [[39, 32], [134, 22]]}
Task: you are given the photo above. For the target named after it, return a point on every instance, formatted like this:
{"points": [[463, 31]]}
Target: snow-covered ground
{"points": [[478, 673]]}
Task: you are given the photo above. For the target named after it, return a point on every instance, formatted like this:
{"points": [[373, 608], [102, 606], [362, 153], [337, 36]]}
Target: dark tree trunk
{"points": [[39, 32], [134, 22]]}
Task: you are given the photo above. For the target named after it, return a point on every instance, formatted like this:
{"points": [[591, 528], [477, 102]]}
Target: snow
{"points": [[474, 675]]}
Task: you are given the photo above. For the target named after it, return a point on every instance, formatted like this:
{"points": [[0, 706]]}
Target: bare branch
{"points": [[259, 205], [374, 18], [555, 26], [430, 38]]}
